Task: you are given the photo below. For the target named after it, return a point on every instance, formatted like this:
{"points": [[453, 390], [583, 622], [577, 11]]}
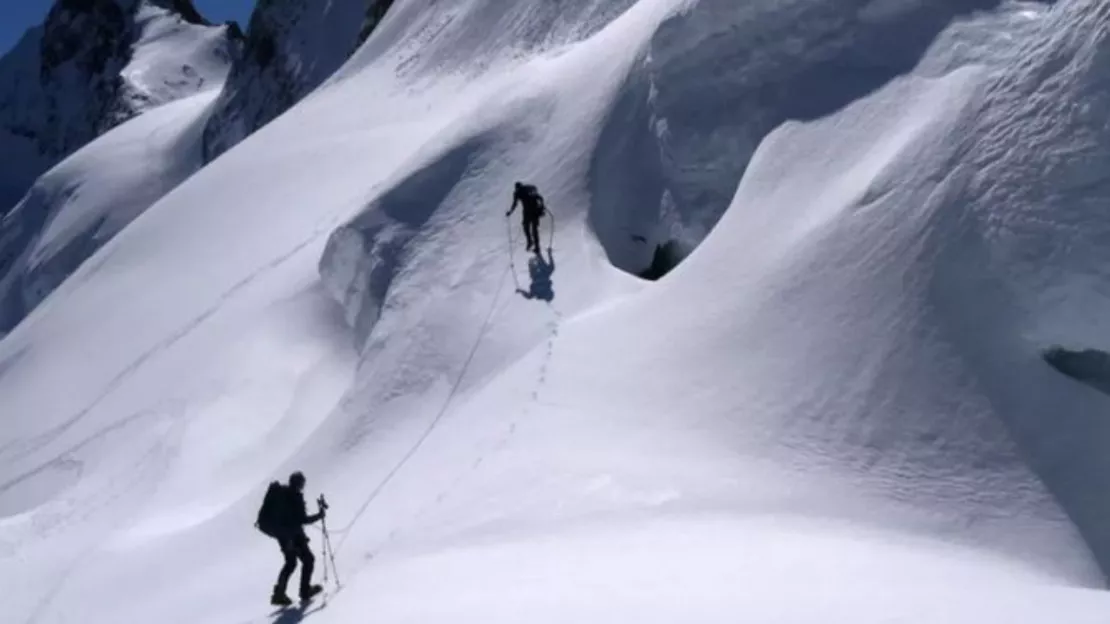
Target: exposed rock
{"points": [[74, 77], [289, 50]]}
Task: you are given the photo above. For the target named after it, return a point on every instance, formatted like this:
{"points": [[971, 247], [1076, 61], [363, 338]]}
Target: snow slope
{"points": [[835, 409], [93, 65], [80, 204]]}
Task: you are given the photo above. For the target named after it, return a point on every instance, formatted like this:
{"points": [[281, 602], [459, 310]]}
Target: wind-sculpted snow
{"points": [[363, 256], [690, 138], [836, 409], [1026, 201], [937, 241], [434, 38]]}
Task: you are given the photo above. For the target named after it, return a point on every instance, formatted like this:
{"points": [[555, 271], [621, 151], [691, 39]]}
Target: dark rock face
{"points": [[84, 46], [186, 10], [291, 47], [62, 85], [375, 12], [91, 66]]}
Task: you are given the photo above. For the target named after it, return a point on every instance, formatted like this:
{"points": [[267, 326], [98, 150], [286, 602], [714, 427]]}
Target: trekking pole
{"points": [[328, 551], [551, 232], [331, 557]]}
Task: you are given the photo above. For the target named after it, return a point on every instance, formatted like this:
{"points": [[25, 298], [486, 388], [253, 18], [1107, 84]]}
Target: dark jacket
{"points": [[295, 513], [530, 200]]}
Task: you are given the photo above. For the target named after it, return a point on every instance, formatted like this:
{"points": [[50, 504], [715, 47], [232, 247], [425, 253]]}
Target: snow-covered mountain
{"points": [[76, 207], [837, 408], [93, 65], [80, 204], [291, 48], [90, 68]]}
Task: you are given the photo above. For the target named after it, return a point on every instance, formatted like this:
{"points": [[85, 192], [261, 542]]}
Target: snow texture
{"points": [[836, 409]]}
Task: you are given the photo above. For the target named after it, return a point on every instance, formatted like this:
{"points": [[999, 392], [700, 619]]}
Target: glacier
{"points": [[836, 407]]}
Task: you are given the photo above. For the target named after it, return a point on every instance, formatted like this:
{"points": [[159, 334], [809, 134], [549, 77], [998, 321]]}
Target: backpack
{"points": [[271, 513], [532, 193]]}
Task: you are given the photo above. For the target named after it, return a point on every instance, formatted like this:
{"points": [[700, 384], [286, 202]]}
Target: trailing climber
{"points": [[282, 517], [532, 208]]}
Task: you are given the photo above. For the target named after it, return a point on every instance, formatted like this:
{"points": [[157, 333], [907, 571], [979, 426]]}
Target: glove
{"points": [[509, 213]]}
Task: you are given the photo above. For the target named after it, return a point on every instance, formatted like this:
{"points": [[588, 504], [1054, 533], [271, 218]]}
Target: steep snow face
{"points": [[834, 410], [93, 65], [692, 138], [291, 48], [1025, 206], [83, 202], [910, 256]]}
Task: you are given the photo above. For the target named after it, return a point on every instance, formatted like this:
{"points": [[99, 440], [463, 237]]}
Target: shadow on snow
{"points": [[540, 270]]}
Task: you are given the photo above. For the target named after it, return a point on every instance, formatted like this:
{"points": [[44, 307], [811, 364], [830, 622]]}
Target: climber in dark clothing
{"points": [[289, 519], [532, 208]]}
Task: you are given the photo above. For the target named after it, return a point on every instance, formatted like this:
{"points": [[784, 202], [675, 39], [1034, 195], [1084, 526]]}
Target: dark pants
{"points": [[532, 231], [294, 548]]}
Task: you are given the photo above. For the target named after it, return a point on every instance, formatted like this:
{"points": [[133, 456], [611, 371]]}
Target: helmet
{"points": [[296, 480], [519, 185]]}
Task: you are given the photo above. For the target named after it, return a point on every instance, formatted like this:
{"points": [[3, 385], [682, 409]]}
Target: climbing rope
{"points": [[346, 530], [500, 443], [433, 424], [512, 258]]}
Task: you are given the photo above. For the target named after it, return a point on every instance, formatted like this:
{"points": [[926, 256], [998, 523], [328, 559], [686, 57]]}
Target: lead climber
{"points": [[282, 517], [532, 209]]}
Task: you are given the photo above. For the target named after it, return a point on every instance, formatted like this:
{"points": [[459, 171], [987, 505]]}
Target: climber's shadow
{"points": [[540, 270]]}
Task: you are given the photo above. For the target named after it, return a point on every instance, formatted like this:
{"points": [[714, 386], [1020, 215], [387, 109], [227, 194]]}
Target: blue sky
{"points": [[16, 16]]}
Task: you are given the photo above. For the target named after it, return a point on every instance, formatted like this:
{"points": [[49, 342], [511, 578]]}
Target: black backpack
{"points": [[532, 193], [272, 512]]}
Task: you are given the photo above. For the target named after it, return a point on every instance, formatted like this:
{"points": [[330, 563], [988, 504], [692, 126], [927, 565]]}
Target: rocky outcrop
{"points": [[75, 77], [291, 48], [90, 67]]}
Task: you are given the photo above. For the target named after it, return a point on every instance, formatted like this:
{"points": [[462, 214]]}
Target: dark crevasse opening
{"points": [[1089, 366]]}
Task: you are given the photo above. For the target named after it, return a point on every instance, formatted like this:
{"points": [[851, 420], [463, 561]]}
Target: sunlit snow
{"points": [[834, 409]]}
